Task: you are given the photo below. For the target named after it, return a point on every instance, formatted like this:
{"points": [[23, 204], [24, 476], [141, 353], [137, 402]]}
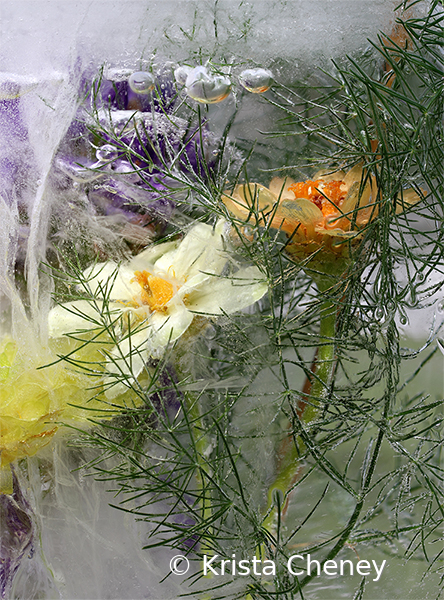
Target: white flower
{"points": [[152, 299]]}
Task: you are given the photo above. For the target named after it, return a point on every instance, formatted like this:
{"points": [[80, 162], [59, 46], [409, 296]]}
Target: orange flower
{"points": [[326, 212]]}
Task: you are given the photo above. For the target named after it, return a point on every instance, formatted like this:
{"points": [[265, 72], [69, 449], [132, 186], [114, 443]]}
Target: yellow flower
{"points": [[35, 401], [325, 212]]}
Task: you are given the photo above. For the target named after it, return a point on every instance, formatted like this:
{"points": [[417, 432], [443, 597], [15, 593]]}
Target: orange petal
{"points": [[407, 199], [291, 213]]}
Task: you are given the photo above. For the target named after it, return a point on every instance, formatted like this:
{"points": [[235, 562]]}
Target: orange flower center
{"points": [[328, 201], [156, 292]]}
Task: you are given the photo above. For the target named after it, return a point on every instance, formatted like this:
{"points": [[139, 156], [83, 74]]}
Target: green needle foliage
{"points": [[224, 406]]}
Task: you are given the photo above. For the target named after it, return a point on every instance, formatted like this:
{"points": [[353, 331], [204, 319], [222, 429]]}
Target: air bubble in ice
{"points": [[380, 314], [256, 80], [413, 298], [391, 306], [209, 332], [181, 73], [106, 153], [206, 87], [141, 82], [440, 306], [403, 320]]}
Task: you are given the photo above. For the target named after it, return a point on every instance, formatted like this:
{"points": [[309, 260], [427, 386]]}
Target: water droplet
{"points": [[206, 87], [403, 320], [209, 332], [440, 306], [391, 306], [141, 82], [256, 80], [181, 74], [106, 153], [379, 314], [413, 298]]}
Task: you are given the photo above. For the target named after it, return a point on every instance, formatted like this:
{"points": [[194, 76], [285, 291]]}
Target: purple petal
{"points": [[17, 533]]}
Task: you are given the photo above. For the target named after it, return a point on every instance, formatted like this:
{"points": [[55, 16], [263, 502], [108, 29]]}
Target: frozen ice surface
{"points": [[86, 548], [42, 35], [90, 550]]}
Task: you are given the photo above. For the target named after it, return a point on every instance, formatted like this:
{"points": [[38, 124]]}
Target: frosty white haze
{"points": [[47, 43]]}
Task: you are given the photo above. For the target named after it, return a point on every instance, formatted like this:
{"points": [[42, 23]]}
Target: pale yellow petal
{"points": [[125, 363], [279, 188], [328, 175], [355, 174], [229, 295], [167, 327], [201, 250], [78, 315], [111, 281], [147, 258]]}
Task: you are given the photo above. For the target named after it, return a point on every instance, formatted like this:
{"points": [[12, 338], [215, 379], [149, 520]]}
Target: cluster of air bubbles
{"points": [[141, 82], [208, 86], [117, 75], [203, 84], [106, 153]]}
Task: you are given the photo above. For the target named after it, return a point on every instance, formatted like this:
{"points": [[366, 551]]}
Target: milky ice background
{"points": [[89, 550]]}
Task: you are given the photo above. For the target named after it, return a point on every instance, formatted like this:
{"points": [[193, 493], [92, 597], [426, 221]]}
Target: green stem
{"points": [[322, 375], [201, 444]]}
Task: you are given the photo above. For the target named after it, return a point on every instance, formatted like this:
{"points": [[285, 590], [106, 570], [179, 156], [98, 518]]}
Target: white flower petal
{"points": [[74, 316], [201, 250], [127, 361], [167, 327], [228, 295], [146, 259], [116, 283], [195, 283]]}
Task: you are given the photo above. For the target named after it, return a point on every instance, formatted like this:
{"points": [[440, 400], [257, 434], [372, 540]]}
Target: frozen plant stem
{"points": [[289, 466], [201, 445]]}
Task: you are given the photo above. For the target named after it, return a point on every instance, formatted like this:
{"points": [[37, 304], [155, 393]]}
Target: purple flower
{"points": [[14, 149], [142, 149], [17, 533]]}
